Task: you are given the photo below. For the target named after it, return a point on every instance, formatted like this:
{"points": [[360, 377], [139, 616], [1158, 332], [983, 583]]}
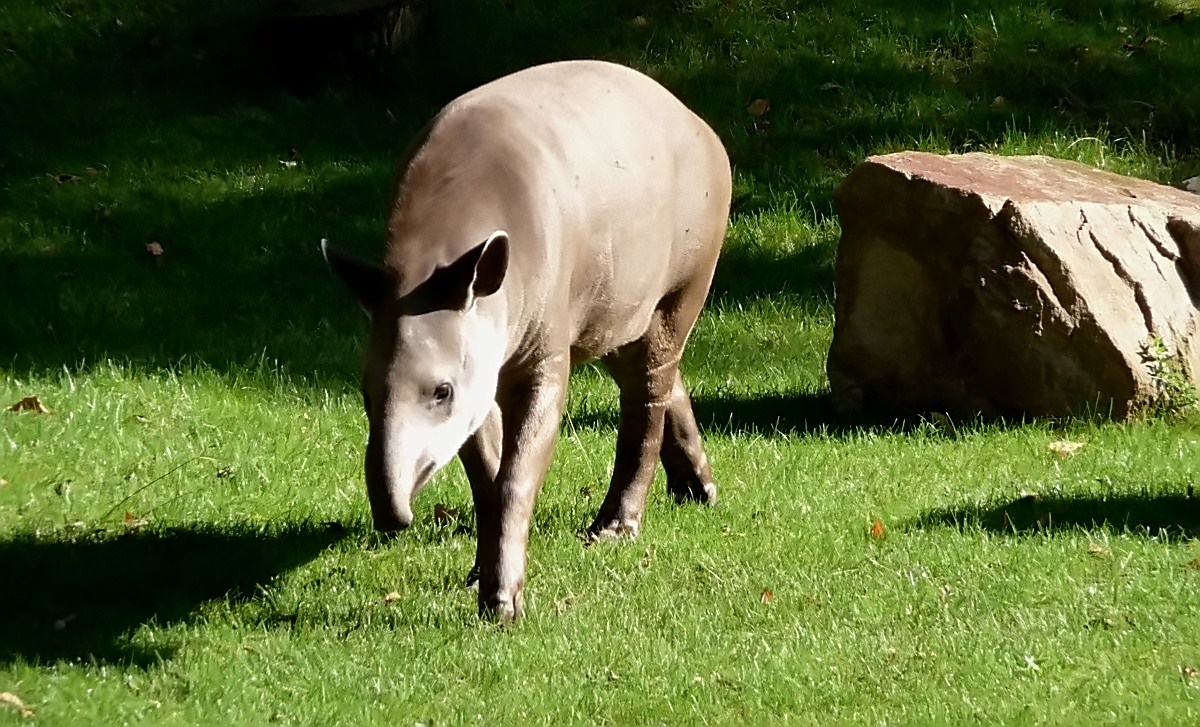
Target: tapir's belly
{"points": [[617, 289]]}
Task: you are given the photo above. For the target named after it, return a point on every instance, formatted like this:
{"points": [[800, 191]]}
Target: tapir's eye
{"points": [[443, 393]]}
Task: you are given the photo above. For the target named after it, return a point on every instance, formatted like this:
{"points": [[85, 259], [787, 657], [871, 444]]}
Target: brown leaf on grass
{"points": [[1143, 44], [65, 178], [1064, 448], [1098, 551], [1189, 673], [392, 597], [759, 107], [30, 403], [14, 701], [3, 482], [134, 523], [154, 249], [640, 21], [1194, 563], [878, 532], [443, 515], [767, 596]]}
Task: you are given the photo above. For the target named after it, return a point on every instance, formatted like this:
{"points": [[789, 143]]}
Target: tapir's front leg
{"points": [[531, 404], [480, 458]]}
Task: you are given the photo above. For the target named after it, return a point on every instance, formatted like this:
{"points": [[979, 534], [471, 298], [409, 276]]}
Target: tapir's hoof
{"points": [[614, 528], [704, 493], [500, 609]]}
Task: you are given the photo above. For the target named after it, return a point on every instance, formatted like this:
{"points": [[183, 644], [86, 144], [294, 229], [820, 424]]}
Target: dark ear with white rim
{"points": [[368, 282], [478, 273], [491, 265]]}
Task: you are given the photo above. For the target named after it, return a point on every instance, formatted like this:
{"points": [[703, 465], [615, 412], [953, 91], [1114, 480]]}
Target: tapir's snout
{"points": [[390, 490], [391, 522]]}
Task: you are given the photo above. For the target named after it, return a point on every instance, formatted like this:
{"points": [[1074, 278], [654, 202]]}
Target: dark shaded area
{"points": [[769, 415], [190, 88], [82, 598], [1151, 514], [746, 272], [801, 413]]}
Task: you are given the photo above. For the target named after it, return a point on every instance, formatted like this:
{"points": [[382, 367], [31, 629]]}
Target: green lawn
{"points": [[185, 539]]}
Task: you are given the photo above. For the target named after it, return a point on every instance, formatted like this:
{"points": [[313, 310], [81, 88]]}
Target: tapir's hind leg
{"points": [[645, 385], [688, 475], [656, 419]]}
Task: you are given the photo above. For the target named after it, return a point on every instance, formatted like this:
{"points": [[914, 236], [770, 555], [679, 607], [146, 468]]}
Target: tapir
{"points": [[564, 213]]}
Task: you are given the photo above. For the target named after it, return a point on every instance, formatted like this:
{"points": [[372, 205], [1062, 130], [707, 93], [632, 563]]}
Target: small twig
{"points": [[139, 490]]}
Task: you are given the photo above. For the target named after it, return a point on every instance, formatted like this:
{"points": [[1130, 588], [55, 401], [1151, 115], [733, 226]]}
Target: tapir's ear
{"points": [[477, 273], [491, 265], [368, 282]]}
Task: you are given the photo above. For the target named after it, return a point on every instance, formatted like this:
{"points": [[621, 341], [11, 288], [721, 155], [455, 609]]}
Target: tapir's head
{"points": [[430, 371]]}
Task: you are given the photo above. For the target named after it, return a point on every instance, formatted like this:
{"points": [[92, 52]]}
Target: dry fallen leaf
{"points": [[30, 403], [443, 514], [1064, 448], [767, 596], [3, 482], [1189, 673], [1194, 563], [65, 178], [640, 21], [13, 700], [877, 530], [392, 597], [154, 249], [134, 523], [759, 107], [1097, 550]]}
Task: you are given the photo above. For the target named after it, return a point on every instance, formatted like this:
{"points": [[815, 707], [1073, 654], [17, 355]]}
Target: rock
{"points": [[1010, 286]]}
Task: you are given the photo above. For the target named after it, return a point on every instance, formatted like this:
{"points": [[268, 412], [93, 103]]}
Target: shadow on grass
{"points": [[84, 598], [193, 92], [799, 414], [1151, 515]]}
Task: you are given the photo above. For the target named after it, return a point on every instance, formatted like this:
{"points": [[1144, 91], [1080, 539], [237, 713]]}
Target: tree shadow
{"points": [[800, 413], [197, 88], [84, 598], [1147, 514], [747, 272]]}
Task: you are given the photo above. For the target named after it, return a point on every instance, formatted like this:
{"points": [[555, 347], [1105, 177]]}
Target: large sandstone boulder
{"points": [[1010, 286]]}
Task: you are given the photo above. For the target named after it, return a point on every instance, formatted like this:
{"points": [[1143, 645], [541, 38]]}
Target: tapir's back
{"points": [[612, 191]]}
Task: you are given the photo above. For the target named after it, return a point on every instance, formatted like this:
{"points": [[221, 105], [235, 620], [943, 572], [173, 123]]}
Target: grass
{"points": [[185, 539]]}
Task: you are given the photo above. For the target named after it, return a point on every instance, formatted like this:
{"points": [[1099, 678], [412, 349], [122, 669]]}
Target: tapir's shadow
{"points": [[82, 598]]}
